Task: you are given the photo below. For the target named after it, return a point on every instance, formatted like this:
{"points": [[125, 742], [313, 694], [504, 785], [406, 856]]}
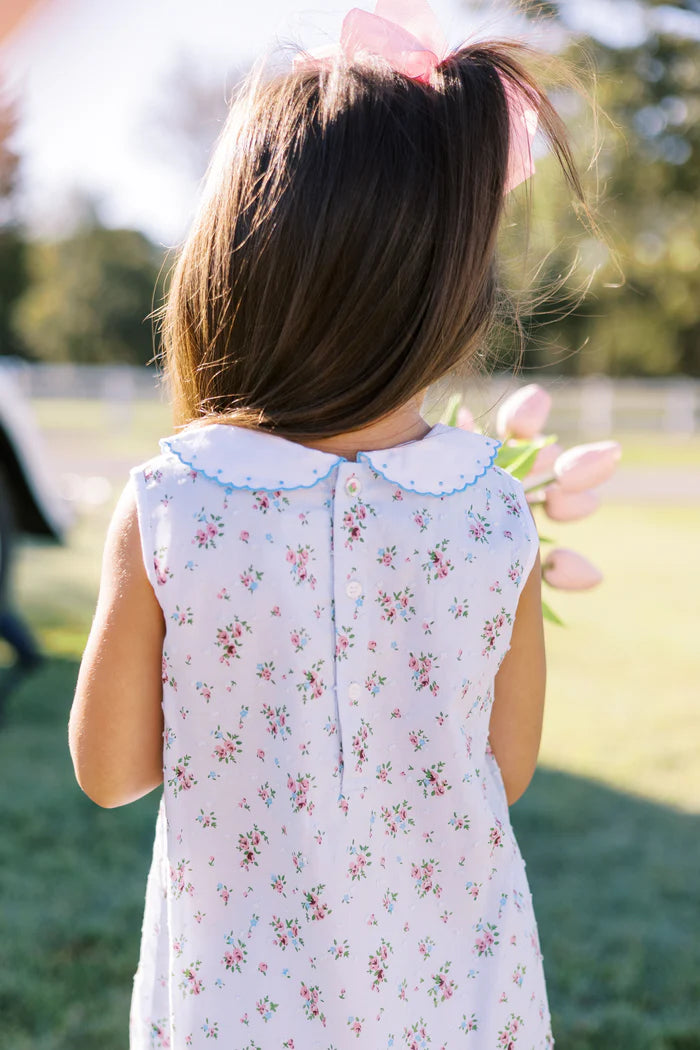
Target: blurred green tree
{"points": [[89, 296], [648, 85], [13, 270]]}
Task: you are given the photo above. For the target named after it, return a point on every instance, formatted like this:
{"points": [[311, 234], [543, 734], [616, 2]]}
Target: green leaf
{"points": [[522, 466], [549, 614], [546, 539], [518, 455]]}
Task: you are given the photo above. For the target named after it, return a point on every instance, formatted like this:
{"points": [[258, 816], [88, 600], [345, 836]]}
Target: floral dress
{"points": [[334, 865]]}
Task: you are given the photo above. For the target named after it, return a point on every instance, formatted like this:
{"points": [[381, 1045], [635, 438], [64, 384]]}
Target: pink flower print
{"points": [[377, 965], [469, 1025], [460, 609], [518, 975], [397, 495], [515, 573], [162, 572], [248, 843], [422, 519], [345, 639], [432, 781], [312, 686], [421, 668], [387, 556], [266, 1007], [372, 646], [210, 529], [508, 1035], [228, 746], [299, 560], [438, 565], [359, 744], [479, 527], [251, 578], [492, 629], [487, 939], [299, 638], [299, 791], [265, 671], [192, 984], [204, 691], [275, 611], [244, 536], [235, 956], [423, 877], [511, 503], [224, 892], [355, 1025], [496, 836], [443, 987], [182, 779], [276, 718], [228, 639], [315, 908]]}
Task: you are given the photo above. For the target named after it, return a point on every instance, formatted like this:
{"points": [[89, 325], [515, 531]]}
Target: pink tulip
{"points": [[536, 495], [465, 420], [545, 459], [583, 466], [560, 505], [523, 414], [568, 571]]}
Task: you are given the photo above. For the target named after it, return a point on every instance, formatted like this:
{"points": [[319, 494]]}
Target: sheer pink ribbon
{"points": [[408, 35]]}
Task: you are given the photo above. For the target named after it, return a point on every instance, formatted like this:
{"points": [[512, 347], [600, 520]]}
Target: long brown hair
{"points": [[343, 256]]}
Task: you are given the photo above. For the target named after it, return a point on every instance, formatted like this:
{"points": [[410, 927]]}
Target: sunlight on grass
{"points": [[622, 685]]}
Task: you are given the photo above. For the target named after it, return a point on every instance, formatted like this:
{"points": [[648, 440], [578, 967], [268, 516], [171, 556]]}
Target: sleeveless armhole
{"points": [[144, 520], [531, 542]]}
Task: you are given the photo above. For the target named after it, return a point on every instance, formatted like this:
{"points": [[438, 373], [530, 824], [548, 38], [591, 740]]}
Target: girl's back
{"points": [[334, 857], [332, 659]]}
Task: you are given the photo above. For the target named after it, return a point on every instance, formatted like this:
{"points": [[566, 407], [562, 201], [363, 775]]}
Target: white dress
{"points": [[334, 865]]}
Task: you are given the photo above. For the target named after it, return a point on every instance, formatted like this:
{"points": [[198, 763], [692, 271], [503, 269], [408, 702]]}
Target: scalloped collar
{"points": [[446, 460]]}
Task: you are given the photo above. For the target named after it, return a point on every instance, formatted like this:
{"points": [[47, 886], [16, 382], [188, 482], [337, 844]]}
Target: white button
{"points": [[354, 589], [354, 690], [352, 485]]}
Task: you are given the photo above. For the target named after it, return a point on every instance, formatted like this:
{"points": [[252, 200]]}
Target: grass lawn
{"points": [[610, 827]]}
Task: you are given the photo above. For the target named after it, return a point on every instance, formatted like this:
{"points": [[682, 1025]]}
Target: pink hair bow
{"points": [[408, 35]]}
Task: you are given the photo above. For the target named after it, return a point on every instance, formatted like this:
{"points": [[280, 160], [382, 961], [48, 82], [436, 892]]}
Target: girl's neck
{"points": [[403, 424]]}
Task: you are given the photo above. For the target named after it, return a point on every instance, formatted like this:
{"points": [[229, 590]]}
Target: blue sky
{"points": [[89, 77]]}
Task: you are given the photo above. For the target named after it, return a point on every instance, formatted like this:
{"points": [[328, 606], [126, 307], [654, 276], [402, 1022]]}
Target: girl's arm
{"points": [[516, 716], [116, 722]]}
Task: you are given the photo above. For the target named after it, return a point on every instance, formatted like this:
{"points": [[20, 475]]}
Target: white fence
{"points": [[595, 406]]}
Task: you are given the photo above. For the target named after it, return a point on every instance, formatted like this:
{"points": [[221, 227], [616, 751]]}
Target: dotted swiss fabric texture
{"points": [[334, 865]]}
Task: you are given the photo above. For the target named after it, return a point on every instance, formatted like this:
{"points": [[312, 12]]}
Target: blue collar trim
{"points": [[445, 461]]}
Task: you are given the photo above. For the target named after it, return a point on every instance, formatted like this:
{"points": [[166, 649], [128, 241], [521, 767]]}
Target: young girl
{"points": [[319, 623]]}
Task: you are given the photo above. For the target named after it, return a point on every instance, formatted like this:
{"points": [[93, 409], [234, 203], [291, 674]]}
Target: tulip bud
{"points": [[523, 414], [465, 420], [560, 505], [568, 571], [583, 466], [546, 458], [536, 495]]}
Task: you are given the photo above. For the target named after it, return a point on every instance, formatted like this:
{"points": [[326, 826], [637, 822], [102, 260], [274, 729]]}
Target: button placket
{"points": [[348, 588]]}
